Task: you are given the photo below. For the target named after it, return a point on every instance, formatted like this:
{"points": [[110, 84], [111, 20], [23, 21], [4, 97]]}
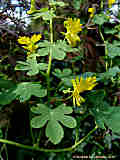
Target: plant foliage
{"points": [[54, 131]]}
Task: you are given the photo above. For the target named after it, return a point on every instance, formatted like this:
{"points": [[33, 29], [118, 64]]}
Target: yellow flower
{"points": [[73, 28], [92, 11], [72, 39], [29, 43], [81, 86], [35, 38], [24, 40], [31, 47], [110, 2]]}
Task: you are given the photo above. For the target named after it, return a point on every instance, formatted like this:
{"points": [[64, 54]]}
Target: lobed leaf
{"points": [[61, 74], [54, 3], [40, 109], [113, 50], [63, 109], [100, 19], [54, 130], [110, 31], [68, 121], [31, 66], [45, 14], [39, 121], [7, 96], [105, 114], [58, 50], [112, 72], [25, 90]]}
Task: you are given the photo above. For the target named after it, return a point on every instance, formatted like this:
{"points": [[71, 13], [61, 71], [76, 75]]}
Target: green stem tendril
{"points": [[101, 5], [106, 50], [31, 132], [36, 148], [50, 60]]}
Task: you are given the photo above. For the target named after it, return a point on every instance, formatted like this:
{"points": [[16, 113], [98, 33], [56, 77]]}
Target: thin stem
{"points": [[79, 142], [101, 5], [38, 139], [31, 132], [35, 148], [115, 101], [99, 145], [106, 50], [76, 136], [111, 63], [6, 152], [4, 147], [50, 60], [6, 134]]}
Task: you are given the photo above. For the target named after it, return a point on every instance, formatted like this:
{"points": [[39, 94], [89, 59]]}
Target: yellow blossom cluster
{"points": [[30, 43], [110, 2], [81, 86], [73, 28], [92, 11]]}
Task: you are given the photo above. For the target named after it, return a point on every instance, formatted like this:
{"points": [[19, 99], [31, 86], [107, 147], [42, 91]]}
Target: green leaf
{"points": [[113, 51], [105, 114], [77, 4], [44, 44], [54, 130], [54, 3], [67, 81], [45, 14], [100, 19], [58, 50], [63, 109], [61, 74], [6, 84], [99, 118], [25, 90], [64, 46], [110, 30], [44, 48], [40, 109], [100, 122], [39, 121], [43, 10], [112, 72], [31, 66], [43, 51], [96, 100], [112, 119], [42, 66], [68, 121], [6, 97], [116, 43]]}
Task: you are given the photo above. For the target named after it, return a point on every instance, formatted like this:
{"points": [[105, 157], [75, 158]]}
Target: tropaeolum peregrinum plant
{"points": [[54, 118], [54, 50]]}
